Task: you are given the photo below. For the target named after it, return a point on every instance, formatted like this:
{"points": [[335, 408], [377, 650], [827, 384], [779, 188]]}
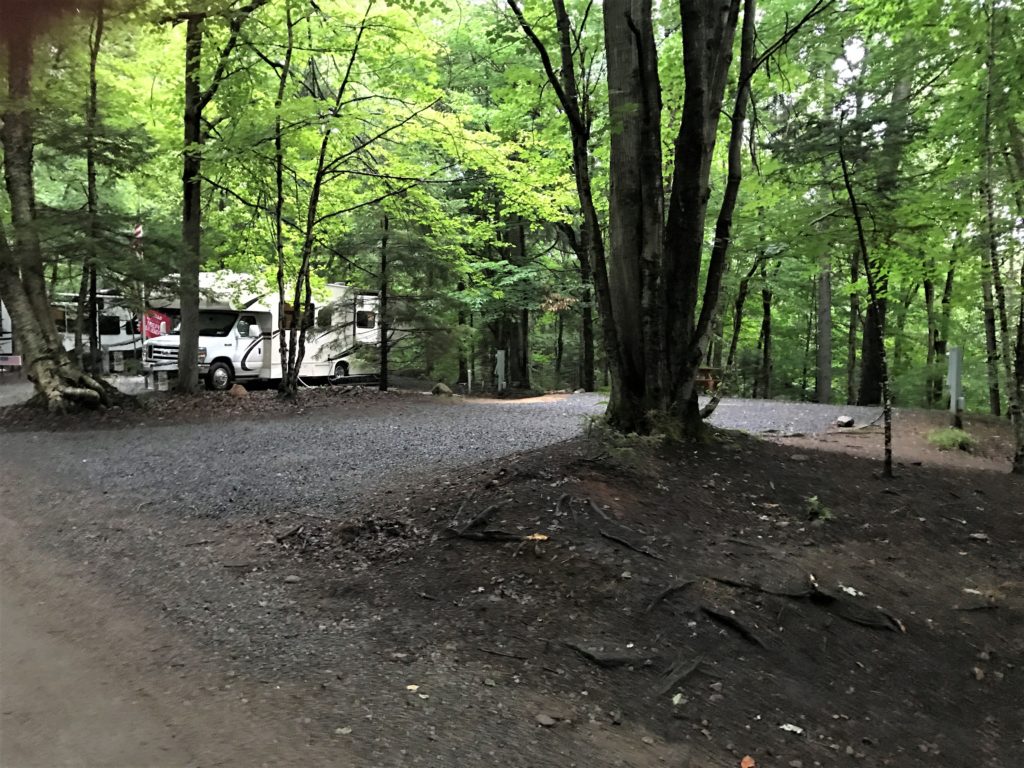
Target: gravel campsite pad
{"points": [[403, 580]]}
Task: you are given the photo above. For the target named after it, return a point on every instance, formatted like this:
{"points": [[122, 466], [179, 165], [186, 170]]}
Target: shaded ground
{"points": [[905, 649]]}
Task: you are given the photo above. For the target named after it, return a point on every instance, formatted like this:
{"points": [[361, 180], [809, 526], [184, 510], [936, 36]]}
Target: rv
{"points": [[239, 333], [117, 329]]}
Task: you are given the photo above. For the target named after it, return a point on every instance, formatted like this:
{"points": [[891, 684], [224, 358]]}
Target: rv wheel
{"points": [[220, 377], [340, 373]]}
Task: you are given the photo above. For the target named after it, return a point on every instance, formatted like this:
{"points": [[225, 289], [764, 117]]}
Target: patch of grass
{"points": [[816, 510], [950, 439]]}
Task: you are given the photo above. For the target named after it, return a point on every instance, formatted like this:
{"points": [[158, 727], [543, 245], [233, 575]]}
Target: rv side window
{"points": [[243, 325], [366, 319], [110, 325]]}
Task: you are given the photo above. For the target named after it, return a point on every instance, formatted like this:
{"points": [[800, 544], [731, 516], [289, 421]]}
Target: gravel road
{"points": [[320, 459], [156, 518]]}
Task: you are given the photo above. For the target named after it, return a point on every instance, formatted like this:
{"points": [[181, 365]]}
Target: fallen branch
{"points": [[732, 623]]}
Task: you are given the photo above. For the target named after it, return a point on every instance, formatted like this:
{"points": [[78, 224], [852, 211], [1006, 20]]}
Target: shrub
{"points": [[951, 439]]}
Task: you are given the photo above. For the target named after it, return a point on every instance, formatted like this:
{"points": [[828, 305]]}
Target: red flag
{"points": [[152, 322]]}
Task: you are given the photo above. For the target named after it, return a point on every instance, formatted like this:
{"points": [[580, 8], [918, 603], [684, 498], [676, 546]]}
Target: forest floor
{"points": [[600, 601]]}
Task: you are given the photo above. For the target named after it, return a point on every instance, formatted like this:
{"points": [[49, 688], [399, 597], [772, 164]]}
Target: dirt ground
{"points": [[602, 602]]}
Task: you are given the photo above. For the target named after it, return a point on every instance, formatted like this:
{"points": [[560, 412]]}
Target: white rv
{"points": [[117, 328], [239, 334]]}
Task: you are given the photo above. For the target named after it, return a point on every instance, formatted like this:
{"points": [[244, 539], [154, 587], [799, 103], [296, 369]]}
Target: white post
{"points": [[499, 369]]}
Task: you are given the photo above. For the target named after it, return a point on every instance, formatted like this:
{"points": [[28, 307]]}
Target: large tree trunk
{"points": [[382, 308], [870, 391], [893, 145], [191, 210], [59, 383], [823, 371], [92, 192]]}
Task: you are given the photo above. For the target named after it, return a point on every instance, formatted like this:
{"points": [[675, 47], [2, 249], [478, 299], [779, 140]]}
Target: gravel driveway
{"points": [[320, 459]]}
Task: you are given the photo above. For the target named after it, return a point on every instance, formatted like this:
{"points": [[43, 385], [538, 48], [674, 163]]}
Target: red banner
{"points": [[151, 324]]}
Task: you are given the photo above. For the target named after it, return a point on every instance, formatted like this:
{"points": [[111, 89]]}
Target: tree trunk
{"points": [[191, 210], [870, 392], [589, 246], [991, 342], [382, 308], [823, 371], [851, 335], [559, 347], [874, 297], [92, 194], [737, 312], [58, 382], [764, 375], [463, 360], [893, 144], [1012, 389]]}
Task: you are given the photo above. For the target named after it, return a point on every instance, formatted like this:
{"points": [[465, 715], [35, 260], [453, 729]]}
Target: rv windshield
{"points": [[211, 323]]}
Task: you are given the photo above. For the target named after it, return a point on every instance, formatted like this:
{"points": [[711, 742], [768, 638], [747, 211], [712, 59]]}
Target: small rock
{"points": [[800, 457], [979, 673], [715, 697], [850, 750], [292, 579], [616, 717], [579, 391], [796, 764], [238, 391], [647, 740], [844, 421], [978, 536], [716, 687], [343, 731], [489, 681], [441, 389], [546, 720]]}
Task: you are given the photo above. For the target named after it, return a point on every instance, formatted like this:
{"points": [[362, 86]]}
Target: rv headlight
{"points": [[202, 354]]}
